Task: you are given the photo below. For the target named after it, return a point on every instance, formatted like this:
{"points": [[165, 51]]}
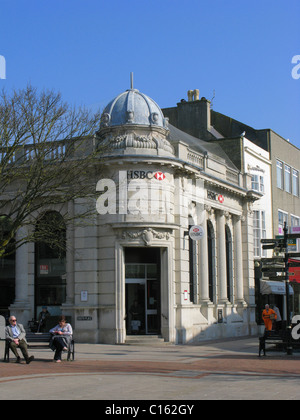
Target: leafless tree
{"points": [[47, 154]]}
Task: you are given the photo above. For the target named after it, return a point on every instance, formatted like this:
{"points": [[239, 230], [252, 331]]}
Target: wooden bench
{"points": [[39, 341]]}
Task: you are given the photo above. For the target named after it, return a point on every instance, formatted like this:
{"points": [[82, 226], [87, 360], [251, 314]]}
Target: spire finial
{"points": [[131, 80]]}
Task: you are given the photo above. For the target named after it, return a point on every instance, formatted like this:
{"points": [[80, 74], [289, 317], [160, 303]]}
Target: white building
{"points": [[156, 182], [257, 163]]}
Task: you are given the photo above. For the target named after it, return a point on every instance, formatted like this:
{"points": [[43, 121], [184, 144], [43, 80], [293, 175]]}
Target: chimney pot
{"points": [[190, 95]]}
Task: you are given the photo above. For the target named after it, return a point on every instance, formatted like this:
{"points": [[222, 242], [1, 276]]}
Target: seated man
{"points": [[15, 335]]}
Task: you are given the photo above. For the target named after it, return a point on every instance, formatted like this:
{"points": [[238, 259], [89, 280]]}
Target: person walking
{"points": [[268, 317]]}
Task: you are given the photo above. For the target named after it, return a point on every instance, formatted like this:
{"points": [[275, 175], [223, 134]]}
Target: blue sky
{"points": [[238, 52]]}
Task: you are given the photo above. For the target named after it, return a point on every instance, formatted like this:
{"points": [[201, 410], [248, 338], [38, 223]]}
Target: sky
{"points": [[238, 53]]}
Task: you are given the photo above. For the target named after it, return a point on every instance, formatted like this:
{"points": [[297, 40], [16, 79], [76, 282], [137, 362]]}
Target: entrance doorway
{"points": [[142, 290]]}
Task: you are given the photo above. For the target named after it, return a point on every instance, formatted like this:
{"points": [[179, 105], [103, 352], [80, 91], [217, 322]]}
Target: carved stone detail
{"points": [[147, 235], [138, 142]]}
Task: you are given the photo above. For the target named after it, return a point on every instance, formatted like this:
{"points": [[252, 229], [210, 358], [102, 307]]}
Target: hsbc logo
{"points": [[160, 176], [214, 196]]}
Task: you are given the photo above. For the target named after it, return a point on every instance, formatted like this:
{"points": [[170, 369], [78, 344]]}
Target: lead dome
{"points": [[133, 108]]}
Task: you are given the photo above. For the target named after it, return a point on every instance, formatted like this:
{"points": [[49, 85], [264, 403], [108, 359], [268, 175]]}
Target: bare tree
{"points": [[47, 154]]}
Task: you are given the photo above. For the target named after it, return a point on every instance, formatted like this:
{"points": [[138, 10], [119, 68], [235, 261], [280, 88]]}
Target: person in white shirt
{"points": [[61, 338]]}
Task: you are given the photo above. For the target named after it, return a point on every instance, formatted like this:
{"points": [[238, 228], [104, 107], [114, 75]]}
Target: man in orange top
{"points": [[268, 316]]}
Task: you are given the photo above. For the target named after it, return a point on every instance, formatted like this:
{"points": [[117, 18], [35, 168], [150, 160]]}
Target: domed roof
{"points": [[133, 108]]}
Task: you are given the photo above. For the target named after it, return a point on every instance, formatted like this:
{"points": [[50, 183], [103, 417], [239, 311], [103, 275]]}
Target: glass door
{"points": [[142, 299], [153, 305]]}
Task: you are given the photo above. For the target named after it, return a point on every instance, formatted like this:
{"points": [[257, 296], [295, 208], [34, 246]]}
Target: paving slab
{"points": [[228, 369]]}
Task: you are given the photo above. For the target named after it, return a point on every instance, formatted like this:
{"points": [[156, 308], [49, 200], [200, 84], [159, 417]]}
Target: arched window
{"points": [[50, 263], [229, 264], [7, 268], [211, 260]]}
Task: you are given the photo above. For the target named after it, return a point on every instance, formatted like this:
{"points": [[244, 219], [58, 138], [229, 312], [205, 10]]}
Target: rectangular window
{"points": [[257, 183], [295, 183], [263, 231], [259, 232], [279, 169], [287, 179], [256, 233], [282, 217], [261, 184], [295, 221], [254, 183]]}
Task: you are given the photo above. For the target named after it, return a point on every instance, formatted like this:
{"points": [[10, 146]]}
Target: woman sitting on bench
{"points": [[61, 338]]}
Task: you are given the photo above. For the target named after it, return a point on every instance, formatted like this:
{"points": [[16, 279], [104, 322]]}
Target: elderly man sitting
{"points": [[16, 337]]}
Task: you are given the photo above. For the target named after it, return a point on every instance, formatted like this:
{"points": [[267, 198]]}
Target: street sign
{"points": [[272, 241], [283, 244], [293, 254], [196, 232], [293, 235], [270, 246], [273, 269], [273, 260], [276, 278], [272, 276]]}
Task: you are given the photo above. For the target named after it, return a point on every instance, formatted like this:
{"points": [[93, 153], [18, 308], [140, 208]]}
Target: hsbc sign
{"points": [[196, 232], [160, 176], [215, 196], [148, 192]]}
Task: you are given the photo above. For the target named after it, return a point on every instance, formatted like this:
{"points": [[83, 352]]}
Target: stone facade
{"points": [[156, 182]]}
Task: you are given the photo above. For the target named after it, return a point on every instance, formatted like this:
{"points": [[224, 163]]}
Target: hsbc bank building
{"points": [[139, 269]]}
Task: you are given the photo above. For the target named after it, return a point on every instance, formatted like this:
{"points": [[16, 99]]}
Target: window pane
{"points": [[261, 186], [295, 182], [256, 233], [255, 184], [135, 271], [279, 175], [287, 178]]}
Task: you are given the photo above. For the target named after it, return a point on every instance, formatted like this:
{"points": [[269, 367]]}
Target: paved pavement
{"points": [[220, 370]]}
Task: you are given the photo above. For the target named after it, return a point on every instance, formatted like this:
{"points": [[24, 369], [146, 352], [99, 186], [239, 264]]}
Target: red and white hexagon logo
{"points": [[160, 176], [221, 198]]}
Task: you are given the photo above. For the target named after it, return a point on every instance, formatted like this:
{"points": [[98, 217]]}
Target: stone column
{"points": [[21, 308], [238, 250], [222, 273], [70, 286], [203, 264]]}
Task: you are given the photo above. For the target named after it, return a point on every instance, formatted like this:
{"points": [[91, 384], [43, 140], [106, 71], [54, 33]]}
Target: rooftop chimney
{"points": [[190, 95], [193, 95], [196, 95]]}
